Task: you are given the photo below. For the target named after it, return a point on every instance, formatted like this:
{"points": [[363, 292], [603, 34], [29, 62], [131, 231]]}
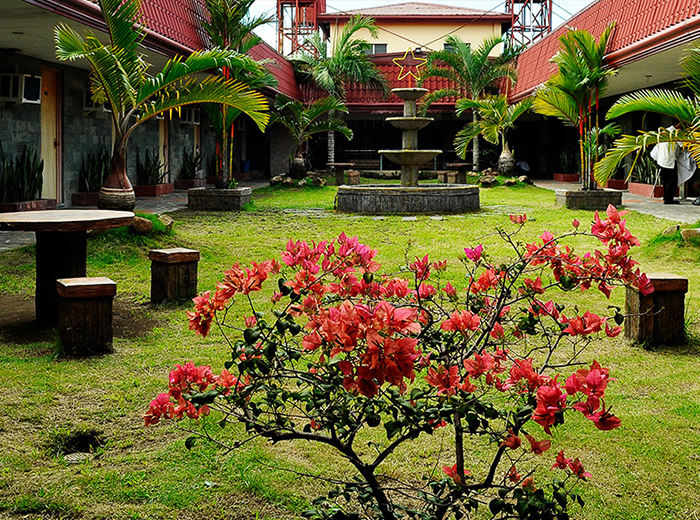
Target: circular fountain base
{"points": [[384, 199]]}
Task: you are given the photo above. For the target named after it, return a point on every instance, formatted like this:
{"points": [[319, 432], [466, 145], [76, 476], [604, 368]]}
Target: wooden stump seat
{"points": [[657, 318], [173, 274], [85, 315], [353, 177]]}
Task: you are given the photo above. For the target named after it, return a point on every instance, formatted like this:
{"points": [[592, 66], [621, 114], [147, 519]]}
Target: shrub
{"points": [[347, 356], [191, 162], [94, 168], [150, 171], [21, 178]]}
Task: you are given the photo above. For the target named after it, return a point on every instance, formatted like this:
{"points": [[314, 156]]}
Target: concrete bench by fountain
{"points": [[409, 198]]}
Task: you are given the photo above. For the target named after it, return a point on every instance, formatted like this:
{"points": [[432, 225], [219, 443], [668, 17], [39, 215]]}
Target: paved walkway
{"points": [[684, 212]]}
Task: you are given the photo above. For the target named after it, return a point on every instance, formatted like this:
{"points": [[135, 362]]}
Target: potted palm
{"points": [[303, 121], [569, 167], [571, 95], [121, 79], [495, 119]]}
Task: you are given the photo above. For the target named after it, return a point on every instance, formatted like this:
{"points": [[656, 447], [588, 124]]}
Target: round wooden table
{"points": [[61, 247]]}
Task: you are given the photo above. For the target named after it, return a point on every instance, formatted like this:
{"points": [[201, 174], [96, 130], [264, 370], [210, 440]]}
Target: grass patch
{"points": [[646, 469]]}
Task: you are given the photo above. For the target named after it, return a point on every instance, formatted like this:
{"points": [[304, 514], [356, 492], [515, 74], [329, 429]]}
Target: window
{"points": [[377, 48]]}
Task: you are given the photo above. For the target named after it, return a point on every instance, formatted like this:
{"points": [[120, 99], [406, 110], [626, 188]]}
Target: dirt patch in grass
{"points": [[17, 325]]}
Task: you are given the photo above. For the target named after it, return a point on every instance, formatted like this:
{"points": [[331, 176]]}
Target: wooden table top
{"points": [[340, 164], [64, 220]]}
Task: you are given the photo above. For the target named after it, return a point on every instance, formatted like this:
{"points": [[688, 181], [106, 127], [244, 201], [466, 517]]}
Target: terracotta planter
{"points": [[566, 177], [186, 184], [84, 198], [616, 184], [155, 190], [647, 190], [218, 200], [27, 205]]}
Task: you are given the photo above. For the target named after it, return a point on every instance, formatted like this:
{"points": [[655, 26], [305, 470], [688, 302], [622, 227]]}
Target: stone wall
{"points": [[281, 147], [20, 123]]}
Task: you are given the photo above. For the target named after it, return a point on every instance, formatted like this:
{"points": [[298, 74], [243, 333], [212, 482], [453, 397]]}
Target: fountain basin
{"points": [[388, 199], [410, 93], [409, 123], [410, 157]]}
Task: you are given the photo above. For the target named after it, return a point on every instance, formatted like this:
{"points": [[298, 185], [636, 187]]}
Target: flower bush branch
{"points": [[347, 355]]}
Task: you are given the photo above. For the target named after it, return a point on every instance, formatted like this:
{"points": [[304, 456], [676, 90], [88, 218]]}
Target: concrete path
{"points": [[684, 212]]}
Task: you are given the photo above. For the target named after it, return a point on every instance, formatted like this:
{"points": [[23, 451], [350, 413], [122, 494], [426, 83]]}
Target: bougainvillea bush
{"points": [[346, 354]]}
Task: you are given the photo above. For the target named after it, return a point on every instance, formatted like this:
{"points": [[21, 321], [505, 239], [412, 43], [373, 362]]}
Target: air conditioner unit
{"points": [[31, 89], [10, 87]]}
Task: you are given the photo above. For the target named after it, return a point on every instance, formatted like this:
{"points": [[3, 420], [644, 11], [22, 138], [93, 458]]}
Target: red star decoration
{"points": [[409, 65]]}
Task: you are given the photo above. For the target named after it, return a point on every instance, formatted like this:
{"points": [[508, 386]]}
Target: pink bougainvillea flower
{"points": [[497, 331], [421, 267], [575, 223], [425, 290], [461, 321], [474, 254], [450, 291], [518, 219]]}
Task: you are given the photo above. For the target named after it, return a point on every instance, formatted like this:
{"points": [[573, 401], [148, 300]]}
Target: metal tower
{"points": [[296, 21], [532, 20]]}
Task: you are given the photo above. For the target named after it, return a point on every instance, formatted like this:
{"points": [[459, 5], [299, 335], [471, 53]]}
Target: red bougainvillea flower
{"points": [[446, 380], [575, 223], [604, 420], [451, 471], [518, 219], [550, 402], [538, 447], [474, 254], [450, 291], [524, 376], [160, 407], [529, 485], [562, 462], [205, 309], [513, 474], [461, 321], [421, 267], [512, 442], [577, 469]]}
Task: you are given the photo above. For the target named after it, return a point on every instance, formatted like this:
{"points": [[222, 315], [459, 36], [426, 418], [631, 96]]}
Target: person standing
{"points": [[665, 155]]}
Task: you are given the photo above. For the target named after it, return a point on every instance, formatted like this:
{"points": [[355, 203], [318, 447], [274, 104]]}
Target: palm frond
{"points": [[666, 102], [464, 137]]}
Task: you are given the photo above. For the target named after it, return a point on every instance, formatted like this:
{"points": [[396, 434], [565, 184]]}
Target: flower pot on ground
{"points": [[94, 168], [647, 190], [616, 184], [566, 177], [588, 199], [151, 177], [21, 180], [190, 174]]}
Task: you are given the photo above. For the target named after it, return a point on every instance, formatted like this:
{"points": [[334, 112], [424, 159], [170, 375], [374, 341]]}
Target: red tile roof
{"points": [[644, 27], [421, 10], [280, 67]]}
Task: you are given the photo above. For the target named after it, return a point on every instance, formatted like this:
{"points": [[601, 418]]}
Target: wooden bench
{"points": [[173, 274], [85, 315], [353, 177], [657, 318]]}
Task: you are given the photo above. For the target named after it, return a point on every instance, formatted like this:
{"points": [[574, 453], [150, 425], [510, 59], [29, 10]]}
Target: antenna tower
{"points": [[532, 21], [296, 21]]}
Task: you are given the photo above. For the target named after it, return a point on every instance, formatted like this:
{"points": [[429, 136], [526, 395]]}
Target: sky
{"points": [[562, 10]]}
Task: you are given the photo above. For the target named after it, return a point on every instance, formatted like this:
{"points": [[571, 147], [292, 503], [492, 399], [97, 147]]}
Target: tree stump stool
{"points": [[460, 173], [353, 177], [173, 274], [657, 318], [441, 176], [85, 315]]}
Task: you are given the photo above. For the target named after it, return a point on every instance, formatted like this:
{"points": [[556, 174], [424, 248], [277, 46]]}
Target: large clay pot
{"points": [[297, 168], [506, 164], [116, 198]]}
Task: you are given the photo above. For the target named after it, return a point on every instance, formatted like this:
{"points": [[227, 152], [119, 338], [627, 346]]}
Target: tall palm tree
{"points": [[472, 71], [573, 92], [346, 62], [120, 78], [495, 119], [686, 110], [305, 120], [231, 26]]}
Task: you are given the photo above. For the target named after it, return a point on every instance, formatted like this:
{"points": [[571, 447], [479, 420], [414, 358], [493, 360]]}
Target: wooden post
{"points": [[173, 274], [657, 318], [85, 315]]}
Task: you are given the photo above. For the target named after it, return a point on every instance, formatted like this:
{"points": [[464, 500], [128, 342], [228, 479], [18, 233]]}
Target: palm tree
{"points": [[496, 117], [120, 78], [231, 26], [686, 110], [472, 71], [303, 121], [347, 62], [573, 92]]}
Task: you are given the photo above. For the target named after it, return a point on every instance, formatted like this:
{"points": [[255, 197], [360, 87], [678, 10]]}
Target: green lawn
{"points": [[647, 469]]}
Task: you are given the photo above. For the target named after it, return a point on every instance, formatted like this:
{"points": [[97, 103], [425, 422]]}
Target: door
{"points": [[51, 134]]}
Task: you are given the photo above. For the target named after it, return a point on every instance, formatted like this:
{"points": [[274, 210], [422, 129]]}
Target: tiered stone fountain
{"points": [[409, 197]]}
